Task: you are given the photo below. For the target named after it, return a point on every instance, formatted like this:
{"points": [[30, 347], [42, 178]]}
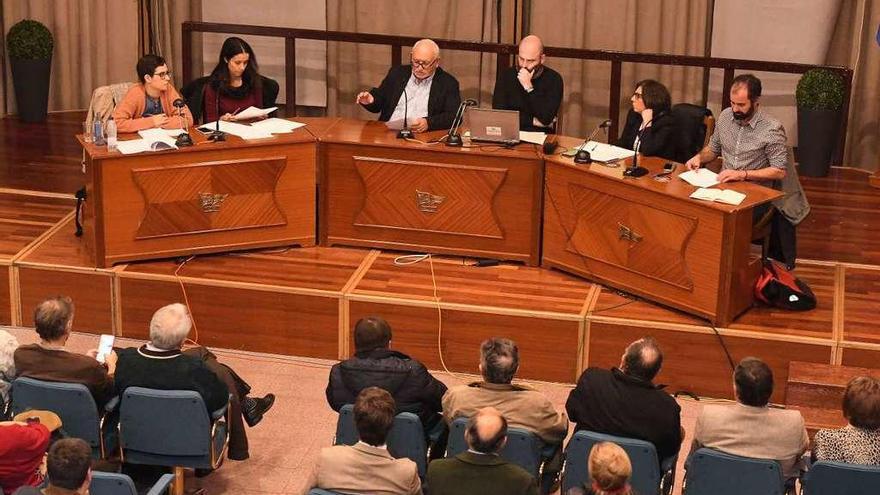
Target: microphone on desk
{"points": [[217, 135], [583, 156], [405, 132], [183, 139], [453, 138], [634, 169]]}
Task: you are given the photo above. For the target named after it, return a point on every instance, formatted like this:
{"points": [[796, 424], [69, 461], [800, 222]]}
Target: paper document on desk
{"points": [[132, 146], [157, 133], [532, 137], [701, 177], [254, 113], [727, 196], [236, 129], [277, 126], [606, 153]]}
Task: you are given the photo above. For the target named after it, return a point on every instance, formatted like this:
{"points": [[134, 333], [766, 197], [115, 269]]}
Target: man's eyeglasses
{"points": [[423, 64], [163, 75]]}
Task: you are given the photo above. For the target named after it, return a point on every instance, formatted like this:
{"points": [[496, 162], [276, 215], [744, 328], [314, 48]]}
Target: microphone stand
{"points": [[405, 132], [217, 135], [635, 170], [453, 138], [183, 139], [583, 156]]}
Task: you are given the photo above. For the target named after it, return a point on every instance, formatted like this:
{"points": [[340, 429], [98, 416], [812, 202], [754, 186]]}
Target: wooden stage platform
{"points": [[304, 301]]}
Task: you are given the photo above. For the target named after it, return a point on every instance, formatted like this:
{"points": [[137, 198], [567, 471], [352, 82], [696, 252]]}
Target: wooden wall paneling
{"points": [[694, 361], [91, 291], [548, 347], [7, 288], [236, 316], [861, 302], [865, 356]]}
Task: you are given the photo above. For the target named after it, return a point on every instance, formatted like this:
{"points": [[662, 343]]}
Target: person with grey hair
{"points": [[423, 92], [624, 401], [8, 345], [163, 364], [49, 360]]}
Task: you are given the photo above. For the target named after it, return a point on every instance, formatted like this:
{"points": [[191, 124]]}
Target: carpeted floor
{"points": [[284, 445]]}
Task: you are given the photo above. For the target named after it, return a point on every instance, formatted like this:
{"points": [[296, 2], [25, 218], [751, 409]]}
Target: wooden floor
{"points": [[303, 302]]}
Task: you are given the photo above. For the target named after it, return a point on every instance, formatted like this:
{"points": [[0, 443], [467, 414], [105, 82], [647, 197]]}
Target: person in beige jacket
{"points": [[367, 467], [151, 103]]}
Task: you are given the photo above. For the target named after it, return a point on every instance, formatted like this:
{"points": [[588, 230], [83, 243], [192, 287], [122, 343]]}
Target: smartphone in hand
{"points": [[105, 347]]}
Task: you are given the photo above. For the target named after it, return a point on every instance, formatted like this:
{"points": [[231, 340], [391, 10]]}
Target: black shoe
{"points": [[253, 409]]}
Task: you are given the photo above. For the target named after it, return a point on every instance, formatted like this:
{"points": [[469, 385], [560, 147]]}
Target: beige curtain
{"points": [[95, 44], [853, 45], [663, 26], [353, 67], [167, 17]]}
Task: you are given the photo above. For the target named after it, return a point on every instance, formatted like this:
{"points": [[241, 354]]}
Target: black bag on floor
{"points": [[776, 286]]}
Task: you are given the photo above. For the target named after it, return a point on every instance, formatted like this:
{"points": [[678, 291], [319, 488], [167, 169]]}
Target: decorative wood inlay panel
{"points": [[635, 237], [435, 197], [209, 197]]}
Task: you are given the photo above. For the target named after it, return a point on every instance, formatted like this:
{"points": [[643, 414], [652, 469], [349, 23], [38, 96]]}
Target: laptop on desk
{"points": [[493, 126]]}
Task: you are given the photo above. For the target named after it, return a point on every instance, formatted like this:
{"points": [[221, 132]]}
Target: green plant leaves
{"points": [[29, 40]]}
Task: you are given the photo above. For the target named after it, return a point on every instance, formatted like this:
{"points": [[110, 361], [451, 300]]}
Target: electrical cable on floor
{"points": [[186, 299], [723, 346]]}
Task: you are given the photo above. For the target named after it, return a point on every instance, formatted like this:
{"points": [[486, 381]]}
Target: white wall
{"points": [[311, 56]]}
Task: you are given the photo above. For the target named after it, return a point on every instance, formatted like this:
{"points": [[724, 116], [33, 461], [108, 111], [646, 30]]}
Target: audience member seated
{"points": [[650, 127], [522, 406], [859, 441], [162, 364], [481, 470], [376, 365], [610, 470], [625, 402], [150, 103], [8, 345], [428, 95], [47, 360], [23, 444], [237, 75], [367, 467], [750, 428], [68, 468]]}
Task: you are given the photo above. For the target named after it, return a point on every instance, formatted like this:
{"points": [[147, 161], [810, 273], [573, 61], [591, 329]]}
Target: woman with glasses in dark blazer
{"points": [[650, 128]]}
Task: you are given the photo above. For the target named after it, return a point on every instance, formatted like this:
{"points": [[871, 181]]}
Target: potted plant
{"points": [[29, 44], [819, 98]]}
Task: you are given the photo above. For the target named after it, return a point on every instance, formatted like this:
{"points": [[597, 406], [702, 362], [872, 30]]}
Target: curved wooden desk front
{"points": [[649, 238]]}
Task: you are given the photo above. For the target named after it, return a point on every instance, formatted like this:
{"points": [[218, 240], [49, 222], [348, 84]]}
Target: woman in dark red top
{"points": [[238, 80]]}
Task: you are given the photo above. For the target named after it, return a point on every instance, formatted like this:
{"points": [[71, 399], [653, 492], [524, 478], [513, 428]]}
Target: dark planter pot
{"points": [[818, 132], [31, 81]]}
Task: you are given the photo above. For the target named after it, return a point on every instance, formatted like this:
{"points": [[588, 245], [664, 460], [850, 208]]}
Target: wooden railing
{"points": [[504, 57]]}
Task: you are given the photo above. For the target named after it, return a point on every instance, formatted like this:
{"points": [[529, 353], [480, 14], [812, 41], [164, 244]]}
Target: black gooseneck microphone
{"points": [[583, 156], [453, 138], [634, 169], [183, 139], [405, 132], [217, 135]]}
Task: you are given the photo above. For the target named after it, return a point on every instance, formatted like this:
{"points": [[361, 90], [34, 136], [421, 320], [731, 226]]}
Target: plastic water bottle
{"points": [[98, 132], [111, 135]]}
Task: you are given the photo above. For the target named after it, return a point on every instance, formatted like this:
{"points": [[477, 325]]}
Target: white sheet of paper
{"points": [[132, 146], [254, 112], [277, 126], [701, 177], [606, 153], [727, 196], [532, 137], [157, 133], [240, 130]]}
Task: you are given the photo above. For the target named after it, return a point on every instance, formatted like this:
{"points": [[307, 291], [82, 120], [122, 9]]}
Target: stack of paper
{"points": [[532, 137], [277, 126], [605, 153], [254, 113], [132, 146], [240, 130], [701, 177], [728, 196], [156, 133]]}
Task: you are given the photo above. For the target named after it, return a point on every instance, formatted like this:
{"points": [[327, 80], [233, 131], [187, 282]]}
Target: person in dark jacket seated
{"points": [[650, 128], [426, 94], [161, 364], [375, 365], [624, 401]]}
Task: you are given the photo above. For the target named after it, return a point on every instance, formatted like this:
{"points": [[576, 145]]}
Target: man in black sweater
{"points": [[423, 92], [160, 364], [530, 87], [624, 402]]}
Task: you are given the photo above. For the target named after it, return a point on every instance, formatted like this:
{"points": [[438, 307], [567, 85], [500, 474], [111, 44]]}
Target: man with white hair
{"points": [[161, 364], [428, 95], [530, 87]]}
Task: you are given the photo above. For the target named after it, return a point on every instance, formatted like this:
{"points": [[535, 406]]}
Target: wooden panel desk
{"points": [[649, 238], [210, 197], [380, 191]]}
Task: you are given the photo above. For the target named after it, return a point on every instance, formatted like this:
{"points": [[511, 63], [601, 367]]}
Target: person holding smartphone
{"points": [[530, 87]]}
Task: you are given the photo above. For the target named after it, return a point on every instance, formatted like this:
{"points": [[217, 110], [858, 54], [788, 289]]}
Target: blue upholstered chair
{"points": [[827, 478], [120, 484], [73, 403], [710, 472], [649, 475], [171, 428], [523, 448], [406, 438]]}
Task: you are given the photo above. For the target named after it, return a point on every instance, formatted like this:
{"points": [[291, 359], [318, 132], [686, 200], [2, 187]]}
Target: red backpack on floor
{"points": [[776, 286]]}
